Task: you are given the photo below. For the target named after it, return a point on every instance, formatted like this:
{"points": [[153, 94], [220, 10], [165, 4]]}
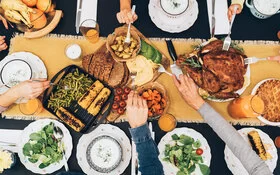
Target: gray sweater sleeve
{"points": [[239, 147]]}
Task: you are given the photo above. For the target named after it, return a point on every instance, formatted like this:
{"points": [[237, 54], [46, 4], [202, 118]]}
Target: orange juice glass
{"points": [[90, 30], [167, 122], [248, 106], [32, 107]]}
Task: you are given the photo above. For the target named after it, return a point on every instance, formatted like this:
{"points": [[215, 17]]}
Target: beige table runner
{"points": [[51, 50]]}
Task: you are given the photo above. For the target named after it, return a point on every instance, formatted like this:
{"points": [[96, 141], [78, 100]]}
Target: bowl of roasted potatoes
{"points": [[119, 49]]}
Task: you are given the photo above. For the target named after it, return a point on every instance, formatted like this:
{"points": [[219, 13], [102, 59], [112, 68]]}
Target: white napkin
{"points": [[89, 10], [11, 136], [222, 23]]}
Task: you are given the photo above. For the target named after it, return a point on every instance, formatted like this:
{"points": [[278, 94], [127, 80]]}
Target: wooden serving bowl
{"points": [[160, 88], [122, 31]]}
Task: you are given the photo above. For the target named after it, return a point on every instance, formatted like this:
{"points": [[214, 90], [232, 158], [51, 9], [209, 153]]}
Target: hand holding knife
{"points": [[176, 70], [78, 15]]}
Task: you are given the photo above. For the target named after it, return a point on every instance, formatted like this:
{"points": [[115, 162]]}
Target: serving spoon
{"points": [[58, 134]]}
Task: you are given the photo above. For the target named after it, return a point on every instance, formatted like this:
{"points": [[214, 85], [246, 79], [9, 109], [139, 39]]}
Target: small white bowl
{"points": [[14, 72]]}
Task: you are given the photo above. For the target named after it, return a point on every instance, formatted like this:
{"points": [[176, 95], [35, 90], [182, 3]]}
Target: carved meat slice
{"points": [[116, 75]]}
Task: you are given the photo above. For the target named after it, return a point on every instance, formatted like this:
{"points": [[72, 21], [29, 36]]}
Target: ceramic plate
{"points": [[14, 72], [261, 118], [173, 23], [235, 165], [35, 127], [103, 130], [169, 168], [37, 66]]}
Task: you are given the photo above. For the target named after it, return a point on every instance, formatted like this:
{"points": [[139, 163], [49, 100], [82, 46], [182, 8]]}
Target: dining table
{"points": [[246, 27]]}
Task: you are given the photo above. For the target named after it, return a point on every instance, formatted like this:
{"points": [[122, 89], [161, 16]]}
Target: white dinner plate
{"points": [[35, 127], [235, 165], [261, 118], [37, 66], [171, 169], [173, 23], [104, 130]]}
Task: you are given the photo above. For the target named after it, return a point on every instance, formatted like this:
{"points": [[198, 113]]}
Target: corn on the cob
{"points": [[257, 145]]}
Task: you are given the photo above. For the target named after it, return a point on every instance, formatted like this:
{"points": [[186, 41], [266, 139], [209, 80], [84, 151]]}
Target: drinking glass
{"points": [[247, 106], [167, 122], [31, 107], [90, 30]]}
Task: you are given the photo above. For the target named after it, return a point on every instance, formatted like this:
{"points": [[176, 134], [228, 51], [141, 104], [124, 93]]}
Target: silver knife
{"points": [[78, 15], [213, 19], [176, 70]]}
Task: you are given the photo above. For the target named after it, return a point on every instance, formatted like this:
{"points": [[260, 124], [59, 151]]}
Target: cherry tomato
{"points": [[122, 104], [199, 151], [119, 91], [120, 111], [127, 90], [124, 96], [117, 98], [277, 142], [115, 106]]}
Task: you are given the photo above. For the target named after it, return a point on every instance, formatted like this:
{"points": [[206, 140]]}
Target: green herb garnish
{"points": [[193, 62]]}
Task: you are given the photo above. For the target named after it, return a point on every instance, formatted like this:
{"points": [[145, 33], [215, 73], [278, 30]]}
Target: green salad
{"points": [[43, 147], [185, 154]]}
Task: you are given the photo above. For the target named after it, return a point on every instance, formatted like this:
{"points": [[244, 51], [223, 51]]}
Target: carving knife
{"points": [[176, 70], [213, 19], [78, 15]]}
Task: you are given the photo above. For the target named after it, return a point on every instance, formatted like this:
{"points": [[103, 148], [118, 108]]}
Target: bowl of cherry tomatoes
{"points": [[121, 95]]}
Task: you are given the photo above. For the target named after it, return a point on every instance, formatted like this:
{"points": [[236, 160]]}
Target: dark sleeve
{"points": [[239, 147], [147, 151]]}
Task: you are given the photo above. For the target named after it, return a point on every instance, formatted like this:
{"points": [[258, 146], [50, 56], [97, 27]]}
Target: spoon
{"points": [[58, 134]]}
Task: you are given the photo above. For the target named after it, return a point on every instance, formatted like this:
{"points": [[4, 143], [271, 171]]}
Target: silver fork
{"points": [[127, 38], [227, 40], [252, 60], [132, 76], [161, 69]]}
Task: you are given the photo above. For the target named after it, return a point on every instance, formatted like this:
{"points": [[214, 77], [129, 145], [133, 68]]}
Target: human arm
{"points": [[274, 58], [3, 45], [240, 148], [28, 89], [137, 113], [125, 15], [235, 3]]}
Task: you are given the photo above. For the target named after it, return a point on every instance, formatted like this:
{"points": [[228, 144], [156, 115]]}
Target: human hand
{"points": [[274, 58], [188, 90], [4, 21], [136, 110], [125, 16], [30, 89], [231, 10], [3, 45]]}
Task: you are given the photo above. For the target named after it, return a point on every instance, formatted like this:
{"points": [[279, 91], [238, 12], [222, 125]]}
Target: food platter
{"points": [[235, 165], [167, 139], [173, 23], [254, 92], [220, 75], [35, 127], [103, 130], [37, 66]]}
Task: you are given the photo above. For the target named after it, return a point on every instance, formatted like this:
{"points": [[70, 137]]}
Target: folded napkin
{"points": [[222, 23], [89, 10], [10, 136]]}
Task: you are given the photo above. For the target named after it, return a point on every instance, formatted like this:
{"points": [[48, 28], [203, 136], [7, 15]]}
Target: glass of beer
{"points": [[31, 107], [167, 122], [247, 106], [90, 30]]}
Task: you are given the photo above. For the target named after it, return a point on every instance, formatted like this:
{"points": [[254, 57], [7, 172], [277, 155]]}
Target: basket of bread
{"points": [[78, 99]]}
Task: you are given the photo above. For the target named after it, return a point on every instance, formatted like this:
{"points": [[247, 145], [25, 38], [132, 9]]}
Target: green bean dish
{"points": [[70, 88]]}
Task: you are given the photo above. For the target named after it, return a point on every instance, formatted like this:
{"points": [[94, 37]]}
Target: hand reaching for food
{"points": [[189, 91], [3, 45], [274, 58], [4, 21], [30, 89], [231, 10], [125, 16], [136, 110]]}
